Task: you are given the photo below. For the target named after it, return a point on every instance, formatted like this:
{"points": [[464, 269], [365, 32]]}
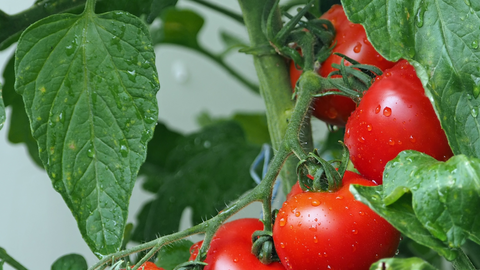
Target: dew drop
{"points": [[235, 260], [339, 197], [377, 109], [315, 203], [131, 74], [361, 139], [391, 142], [387, 111], [475, 44], [282, 245], [91, 151], [412, 139], [474, 112], [313, 228], [315, 239], [369, 127], [354, 231], [282, 222], [149, 119], [361, 213], [420, 14], [297, 214], [124, 148], [357, 48], [397, 252], [388, 74]]}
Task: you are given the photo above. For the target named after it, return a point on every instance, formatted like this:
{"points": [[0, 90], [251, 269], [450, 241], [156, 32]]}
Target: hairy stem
{"points": [[462, 262], [11, 261]]}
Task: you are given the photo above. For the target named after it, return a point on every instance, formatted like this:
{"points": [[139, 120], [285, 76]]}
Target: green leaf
{"points": [[2, 108], [70, 262], [19, 131], [442, 38], [11, 26], [158, 6], [89, 83], [445, 194], [204, 171], [400, 214], [402, 264], [174, 254], [254, 125], [180, 27]]}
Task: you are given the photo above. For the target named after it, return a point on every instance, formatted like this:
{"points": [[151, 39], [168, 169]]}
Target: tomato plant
{"points": [[394, 115], [80, 93], [332, 230], [231, 247], [350, 40]]}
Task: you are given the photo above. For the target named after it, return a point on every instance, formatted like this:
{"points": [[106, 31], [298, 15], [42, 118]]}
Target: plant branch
{"points": [[231, 14], [11, 261], [462, 262]]}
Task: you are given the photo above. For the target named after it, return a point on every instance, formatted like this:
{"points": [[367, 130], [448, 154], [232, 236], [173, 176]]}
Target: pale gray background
{"points": [[36, 227]]}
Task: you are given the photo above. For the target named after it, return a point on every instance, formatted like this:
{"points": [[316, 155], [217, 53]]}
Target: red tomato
{"points": [[351, 40], [295, 190], [231, 247], [393, 115], [331, 230], [149, 266]]}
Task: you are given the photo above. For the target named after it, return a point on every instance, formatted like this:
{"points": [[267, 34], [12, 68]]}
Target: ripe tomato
{"points": [[351, 40], [231, 247], [331, 230], [393, 115], [149, 266]]}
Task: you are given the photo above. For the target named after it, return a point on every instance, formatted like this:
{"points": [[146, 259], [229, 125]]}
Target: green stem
{"points": [[274, 81], [90, 6], [462, 262], [229, 69], [11, 261], [231, 14]]}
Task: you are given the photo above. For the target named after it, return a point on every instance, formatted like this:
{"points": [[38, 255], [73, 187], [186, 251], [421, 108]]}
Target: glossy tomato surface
{"points": [[149, 266], [394, 115], [331, 230], [231, 247], [351, 40]]}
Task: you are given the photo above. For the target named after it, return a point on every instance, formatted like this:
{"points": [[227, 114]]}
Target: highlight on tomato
{"points": [[393, 115], [350, 40]]}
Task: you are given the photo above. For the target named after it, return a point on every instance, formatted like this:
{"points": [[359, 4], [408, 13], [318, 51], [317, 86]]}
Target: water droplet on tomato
{"points": [[315, 239], [313, 228], [282, 222], [397, 252], [361, 213], [282, 245], [388, 74], [366, 41], [361, 139], [391, 142], [357, 48], [297, 214], [235, 260], [339, 197], [332, 113], [315, 203], [412, 139], [377, 109], [354, 231], [387, 111], [399, 142], [369, 127]]}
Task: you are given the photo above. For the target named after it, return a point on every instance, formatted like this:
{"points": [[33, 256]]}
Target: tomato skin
{"points": [[393, 115], [351, 40], [149, 266], [331, 230], [231, 247], [296, 189]]}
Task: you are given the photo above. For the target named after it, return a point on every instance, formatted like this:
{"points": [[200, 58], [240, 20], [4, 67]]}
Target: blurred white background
{"points": [[36, 227]]}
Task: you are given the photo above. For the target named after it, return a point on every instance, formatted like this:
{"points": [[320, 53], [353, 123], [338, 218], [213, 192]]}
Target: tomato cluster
{"points": [[350, 40], [332, 230]]}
